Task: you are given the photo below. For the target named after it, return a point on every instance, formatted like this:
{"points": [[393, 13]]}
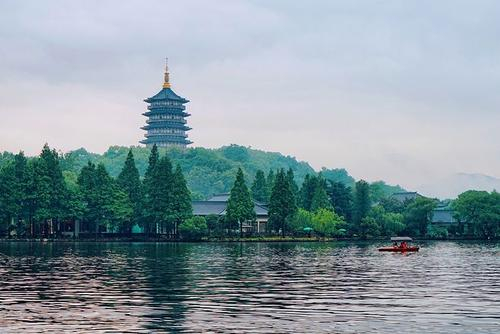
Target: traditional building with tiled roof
{"points": [[217, 205]]}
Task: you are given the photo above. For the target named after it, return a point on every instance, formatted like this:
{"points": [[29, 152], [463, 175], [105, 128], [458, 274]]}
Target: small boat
{"points": [[402, 247]]}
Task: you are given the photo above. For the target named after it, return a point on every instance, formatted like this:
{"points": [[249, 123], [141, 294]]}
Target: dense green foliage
{"points": [[125, 189], [130, 183], [36, 197], [282, 204], [207, 171], [240, 206], [341, 199], [362, 205], [194, 228], [417, 215], [478, 213], [260, 190]]}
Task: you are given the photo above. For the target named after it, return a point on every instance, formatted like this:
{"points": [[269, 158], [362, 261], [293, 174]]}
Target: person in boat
{"points": [[404, 245], [395, 244]]}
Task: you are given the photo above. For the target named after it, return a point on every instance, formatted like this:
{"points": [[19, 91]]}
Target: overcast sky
{"points": [[404, 91]]}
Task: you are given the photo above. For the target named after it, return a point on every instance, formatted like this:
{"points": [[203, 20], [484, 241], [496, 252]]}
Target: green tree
{"points": [[149, 192], [9, 207], [390, 223], [301, 220], [193, 228], [393, 224], [240, 206], [259, 187], [282, 205], [417, 215], [129, 182], [121, 211], [320, 199], [480, 211], [181, 199], [21, 174], [291, 180], [341, 199], [105, 205], [327, 223], [362, 204], [48, 193], [307, 191], [437, 232], [57, 186], [87, 183], [392, 205], [38, 196], [369, 227], [162, 196], [271, 177], [74, 205], [214, 224]]}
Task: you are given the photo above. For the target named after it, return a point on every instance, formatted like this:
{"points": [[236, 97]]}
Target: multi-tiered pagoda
{"points": [[166, 123]]}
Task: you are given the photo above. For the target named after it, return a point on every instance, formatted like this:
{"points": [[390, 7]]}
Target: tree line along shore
{"points": [[37, 199]]}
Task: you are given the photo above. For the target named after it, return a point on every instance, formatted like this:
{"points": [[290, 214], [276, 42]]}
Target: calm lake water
{"points": [[448, 287]]}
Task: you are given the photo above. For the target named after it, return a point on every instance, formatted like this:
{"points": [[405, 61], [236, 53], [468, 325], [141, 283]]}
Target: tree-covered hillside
{"points": [[207, 171]]}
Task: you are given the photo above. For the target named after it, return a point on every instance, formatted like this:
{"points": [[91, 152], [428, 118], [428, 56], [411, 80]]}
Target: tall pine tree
{"points": [[181, 208], [148, 216], [307, 191], [282, 205], [38, 197], [291, 180], [259, 187], [240, 207], [271, 177], [320, 199], [161, 196], [22, 179], [362, 204], [58, 192], [341, 199], [8, 205], [130, 183]]}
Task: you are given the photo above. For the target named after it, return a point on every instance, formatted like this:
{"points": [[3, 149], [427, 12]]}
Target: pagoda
{"points": [[166, 123]]}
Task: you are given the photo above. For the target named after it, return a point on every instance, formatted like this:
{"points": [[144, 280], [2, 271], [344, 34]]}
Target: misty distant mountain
{"points": [[453, 185]]}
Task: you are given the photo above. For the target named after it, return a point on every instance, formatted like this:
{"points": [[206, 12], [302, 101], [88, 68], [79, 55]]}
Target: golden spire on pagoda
{"points": [[166, 83]]}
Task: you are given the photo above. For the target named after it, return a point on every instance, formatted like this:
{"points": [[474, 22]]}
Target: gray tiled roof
{"points": [[260, 210], [205, 208]]}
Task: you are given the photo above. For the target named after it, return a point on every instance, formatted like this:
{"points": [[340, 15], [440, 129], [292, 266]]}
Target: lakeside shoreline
{"points": [[228, 240]]}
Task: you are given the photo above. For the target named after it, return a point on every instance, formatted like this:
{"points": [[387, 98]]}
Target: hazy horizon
{"points": [[401, 92]]}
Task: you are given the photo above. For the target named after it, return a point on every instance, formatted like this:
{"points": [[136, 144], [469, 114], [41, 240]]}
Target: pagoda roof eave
{"points": [[166, 94]]}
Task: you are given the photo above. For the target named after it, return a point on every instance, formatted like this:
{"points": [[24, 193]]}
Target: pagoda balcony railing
{"points": [[165, 120], [178, 107], [151, 128], [165, 112], [171, 135], [180, 142]]}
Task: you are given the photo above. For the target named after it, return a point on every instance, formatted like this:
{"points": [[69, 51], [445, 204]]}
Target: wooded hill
{"points": [[208, 171]]}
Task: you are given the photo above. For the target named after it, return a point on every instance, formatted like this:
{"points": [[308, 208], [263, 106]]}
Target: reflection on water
{"points": [[258, 287]]}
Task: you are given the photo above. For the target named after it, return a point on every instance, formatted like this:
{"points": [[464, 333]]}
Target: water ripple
{"points": [[274, 287]]}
